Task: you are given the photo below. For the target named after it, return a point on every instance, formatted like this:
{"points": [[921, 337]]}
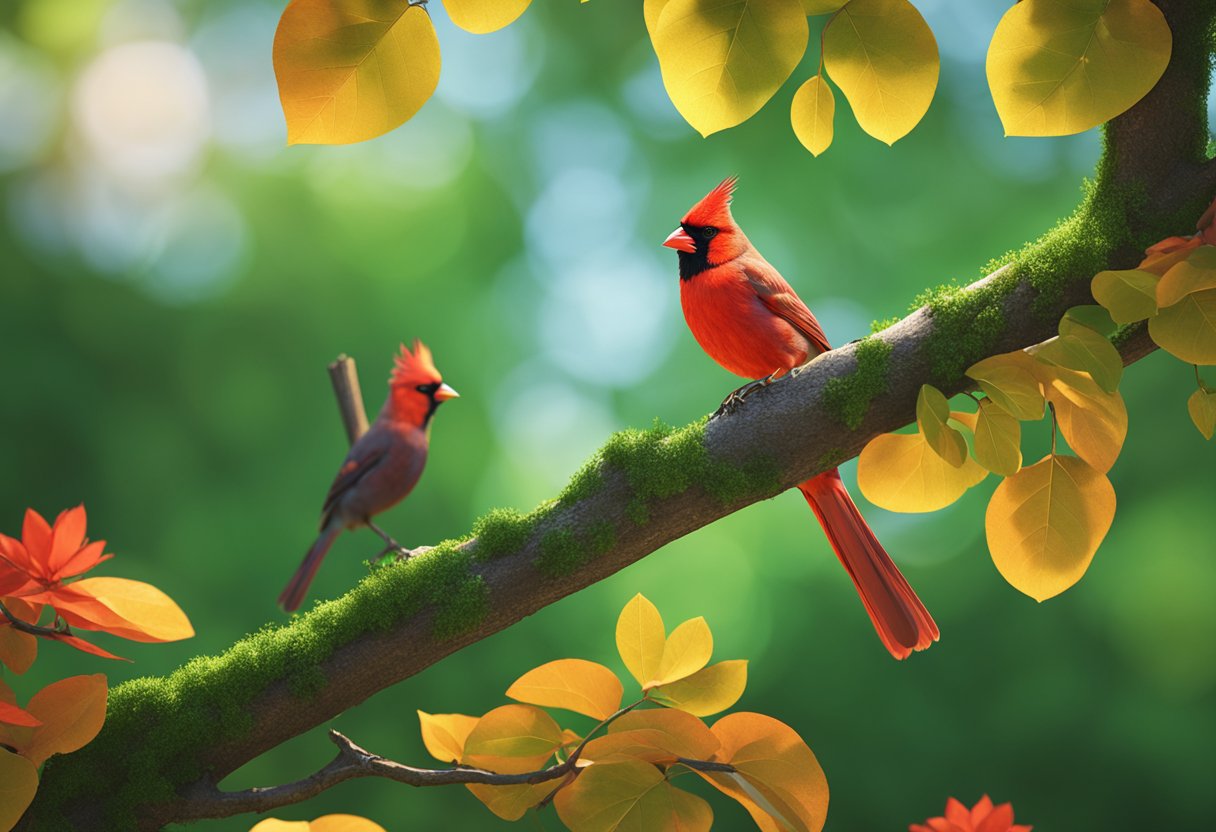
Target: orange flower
{"points": [[37, 569], [982, 817]]}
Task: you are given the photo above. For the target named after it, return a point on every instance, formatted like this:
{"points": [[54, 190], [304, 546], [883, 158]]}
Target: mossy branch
{"points": [[168, 738]]}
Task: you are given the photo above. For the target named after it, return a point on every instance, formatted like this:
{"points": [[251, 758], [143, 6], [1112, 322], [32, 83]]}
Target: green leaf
{"points": [[1196, 273], [1057, 68], [883, 56], [1085, 351], [814, 7], [722, 62], [1091, 316], [628, 794], [932, 412], [1129, 295], [811, 114], [998, 438]]}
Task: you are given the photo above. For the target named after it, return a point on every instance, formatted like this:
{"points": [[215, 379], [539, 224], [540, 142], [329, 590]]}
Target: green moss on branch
{"points": [[847, 398]]}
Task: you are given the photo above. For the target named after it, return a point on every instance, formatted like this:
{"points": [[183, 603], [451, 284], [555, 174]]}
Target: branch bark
{"points": [[344, 377], [1156, 149]]}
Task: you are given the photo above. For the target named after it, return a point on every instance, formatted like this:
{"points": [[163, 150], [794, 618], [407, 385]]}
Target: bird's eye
{"points": [[427, 389], [709, 232]]}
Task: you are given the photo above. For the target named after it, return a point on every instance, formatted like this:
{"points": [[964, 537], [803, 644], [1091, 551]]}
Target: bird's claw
{"points": [[732, 402]]}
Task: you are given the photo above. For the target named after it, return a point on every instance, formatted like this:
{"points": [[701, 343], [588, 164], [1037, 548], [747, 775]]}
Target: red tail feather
{"points": [[900, 618], [291, 597]]}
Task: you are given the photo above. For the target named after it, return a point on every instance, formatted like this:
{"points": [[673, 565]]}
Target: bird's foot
{"points": [[405, 554], [733, 402]]}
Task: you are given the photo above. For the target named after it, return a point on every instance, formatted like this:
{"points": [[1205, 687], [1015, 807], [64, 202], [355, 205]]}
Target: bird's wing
{"points": [[359, 463], [780, 299]]}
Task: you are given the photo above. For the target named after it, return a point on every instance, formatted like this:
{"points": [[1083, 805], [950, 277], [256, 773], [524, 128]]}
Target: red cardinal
{"points": [[383, 465], [749, 320]]}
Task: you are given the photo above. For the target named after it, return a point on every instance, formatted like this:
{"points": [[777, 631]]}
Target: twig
{"points": [[60, 629], [205, 800], [345, 379]]}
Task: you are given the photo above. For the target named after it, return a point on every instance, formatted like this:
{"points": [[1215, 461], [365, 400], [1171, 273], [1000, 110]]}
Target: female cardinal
{"points": [[749, 320], [383, 465]]}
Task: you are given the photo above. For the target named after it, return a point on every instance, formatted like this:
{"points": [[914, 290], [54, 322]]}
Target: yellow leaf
{"points": [[932, 412], [1011, 380], [17, 649], [130, 609], [511, 802], [512, 739], [629, 794], [640, 638], [900, 472], [444, 735], [1202, 407], [721, 61], [998, 438], [1092, 421], [883, 56], [482, 16], [1085, 351], [1045, 523], [778, 773], [1129, 295], [814, 7], [811, 114], [276, 825], [706, 692], [351, 70], [1060, 68], [651, 10], [1187, 329], [687, 650], [643, 744], [344, 823], [1196, 273], [72, 711], [685, 735], [18, 784], [574, 684]]}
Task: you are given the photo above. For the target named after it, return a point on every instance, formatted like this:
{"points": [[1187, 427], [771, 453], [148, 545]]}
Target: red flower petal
{"points": [[67, 537], [999, 820], [37, 536], [957, 813], [14, 556], [86, 647], [13, 715], [84, 560], [981, 810]]}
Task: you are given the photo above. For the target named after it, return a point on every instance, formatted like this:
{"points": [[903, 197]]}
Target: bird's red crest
{"points": [[714, 207], [414, 368]]}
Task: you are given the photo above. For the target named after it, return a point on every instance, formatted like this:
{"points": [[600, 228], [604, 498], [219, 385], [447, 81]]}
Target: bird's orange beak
{"points": [[680, 241], [444, 393]]}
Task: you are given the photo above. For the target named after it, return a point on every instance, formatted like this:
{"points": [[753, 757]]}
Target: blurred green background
{"points": [[175, 280]]}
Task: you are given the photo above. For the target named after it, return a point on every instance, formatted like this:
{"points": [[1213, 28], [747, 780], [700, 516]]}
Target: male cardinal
{"points": [[383, 465], [749, 320]]}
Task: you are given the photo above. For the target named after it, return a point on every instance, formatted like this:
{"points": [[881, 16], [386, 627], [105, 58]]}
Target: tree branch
{"points": [[1152, 183], [345, 379]]}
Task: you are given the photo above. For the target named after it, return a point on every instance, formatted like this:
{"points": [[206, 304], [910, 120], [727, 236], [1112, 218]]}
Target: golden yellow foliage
{"points": [[482, 16], [1060, 68], [1045, 523], [811, 114], [573, 684], [883, 56], [351, 70], [902, 472], [708, 691], [721, 62]]}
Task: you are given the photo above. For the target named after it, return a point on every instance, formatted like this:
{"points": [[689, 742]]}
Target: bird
{"points": [[383, 466], [746, 316]]}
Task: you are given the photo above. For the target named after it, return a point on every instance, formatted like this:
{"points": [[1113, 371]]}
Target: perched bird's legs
{"points": [[392, 546], [732, 402]]}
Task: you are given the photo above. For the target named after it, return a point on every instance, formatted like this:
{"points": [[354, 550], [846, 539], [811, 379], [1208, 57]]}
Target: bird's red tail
{"points": [[900, 618], [291, 597]]}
